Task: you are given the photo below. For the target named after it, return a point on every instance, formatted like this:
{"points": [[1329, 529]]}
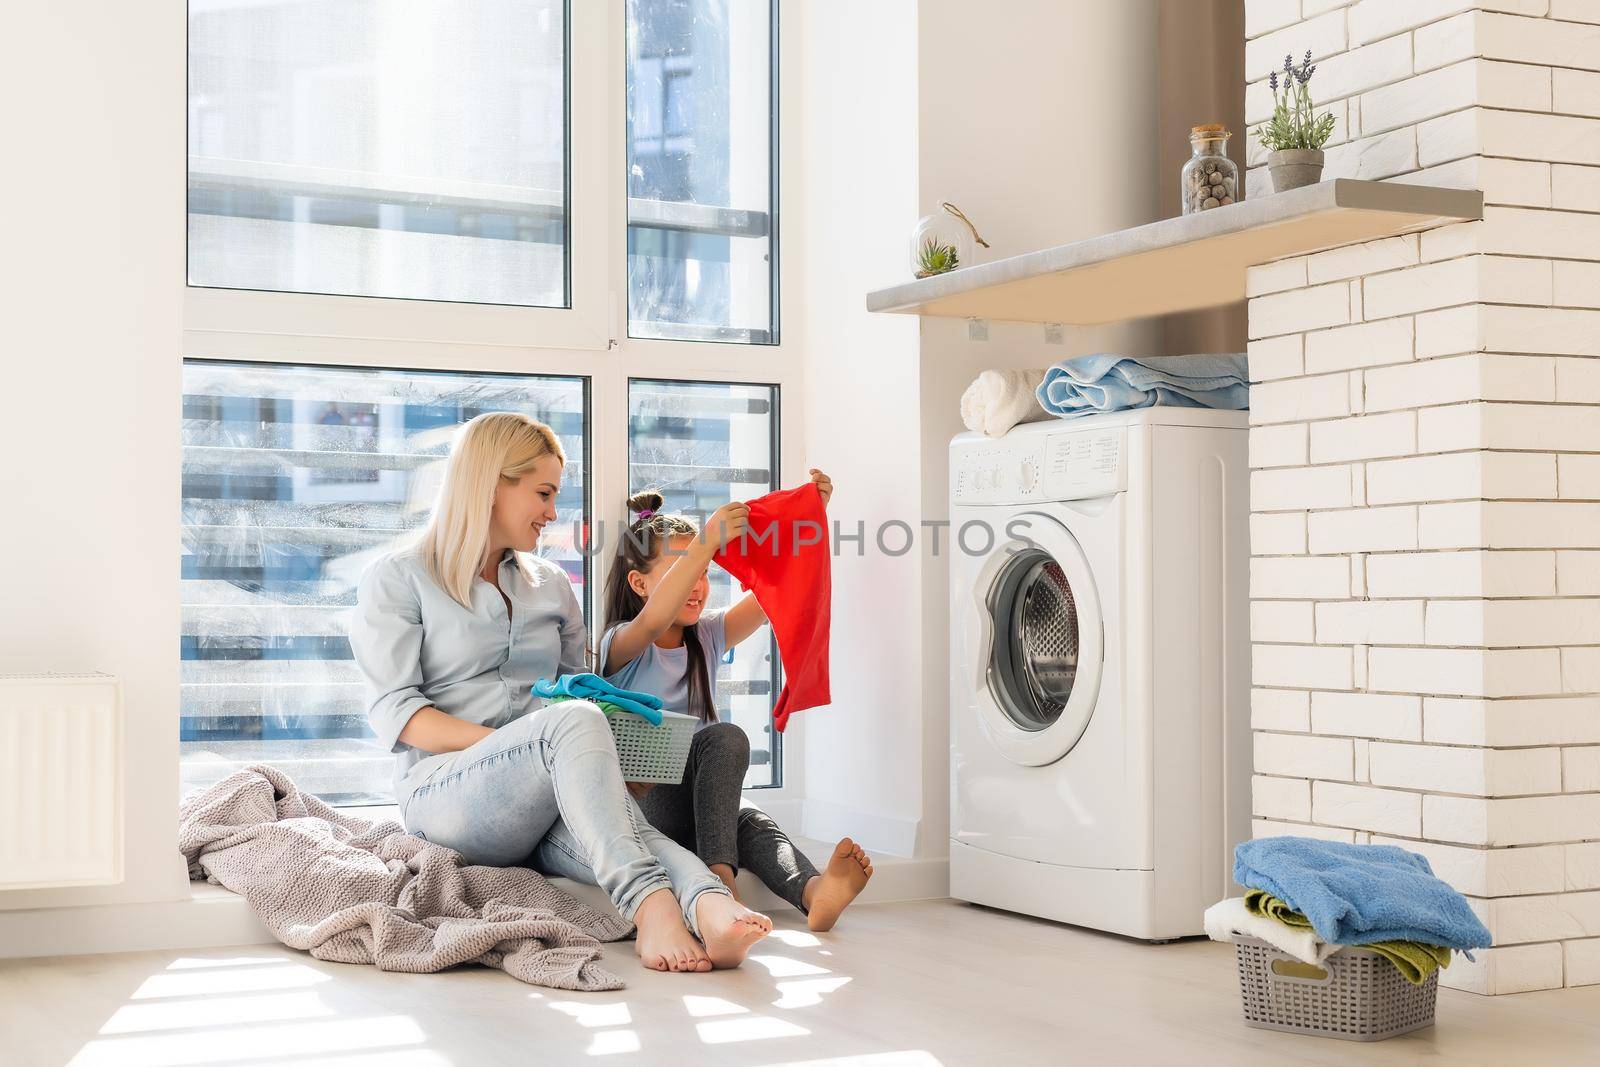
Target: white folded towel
{"points": [[1228, 917], [1000, 399]]}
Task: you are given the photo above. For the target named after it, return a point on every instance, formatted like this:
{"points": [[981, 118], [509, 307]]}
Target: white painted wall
{"points": [[1013, 115], [863, 772], [93, 279]]}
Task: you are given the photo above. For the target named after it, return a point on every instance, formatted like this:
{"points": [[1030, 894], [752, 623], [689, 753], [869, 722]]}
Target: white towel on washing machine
{"points": [[1228, 917], [1000, 399]]}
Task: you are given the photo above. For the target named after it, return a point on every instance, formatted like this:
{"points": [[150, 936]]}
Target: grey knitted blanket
{"points": [[351, 890]]}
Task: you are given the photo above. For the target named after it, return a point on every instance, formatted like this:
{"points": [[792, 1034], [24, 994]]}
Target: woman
{"points": [[450, 635]]}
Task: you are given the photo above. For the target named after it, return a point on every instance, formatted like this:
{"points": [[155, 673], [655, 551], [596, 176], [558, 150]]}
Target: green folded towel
{"points": [[1413, 959], [604, 705]]}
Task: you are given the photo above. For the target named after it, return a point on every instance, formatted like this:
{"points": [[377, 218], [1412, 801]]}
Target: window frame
{"points": [[588, 340]]}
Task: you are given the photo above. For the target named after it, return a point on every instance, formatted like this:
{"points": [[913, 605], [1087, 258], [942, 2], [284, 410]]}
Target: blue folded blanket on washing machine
{"points": [[1088, 385]]}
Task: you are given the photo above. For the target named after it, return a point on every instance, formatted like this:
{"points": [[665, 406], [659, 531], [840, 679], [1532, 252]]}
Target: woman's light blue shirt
{"points": [[665, 671], [417, 647]]}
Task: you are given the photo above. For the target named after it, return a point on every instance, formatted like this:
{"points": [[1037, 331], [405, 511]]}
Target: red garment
{"points": [[785, 559]]}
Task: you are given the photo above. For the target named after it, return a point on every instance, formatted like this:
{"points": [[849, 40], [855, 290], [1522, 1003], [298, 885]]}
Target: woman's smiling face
{"points": [[522, 509]]}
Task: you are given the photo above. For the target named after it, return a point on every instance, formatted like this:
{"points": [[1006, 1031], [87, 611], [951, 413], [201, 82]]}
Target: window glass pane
{"points": [[365, 148], [703, 444], [702, 257], [294, 479]]}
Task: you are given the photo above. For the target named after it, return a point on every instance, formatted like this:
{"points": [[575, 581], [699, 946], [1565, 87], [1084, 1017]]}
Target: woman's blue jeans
{"points": [[547, 790]]}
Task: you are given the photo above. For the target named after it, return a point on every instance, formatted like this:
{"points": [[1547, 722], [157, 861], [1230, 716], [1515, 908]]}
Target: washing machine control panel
{"points": [[1062, 466], [1087, 464]]}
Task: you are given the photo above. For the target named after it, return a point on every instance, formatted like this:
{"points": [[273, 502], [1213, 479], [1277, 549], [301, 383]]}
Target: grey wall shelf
{"points": [[1179, 264]]}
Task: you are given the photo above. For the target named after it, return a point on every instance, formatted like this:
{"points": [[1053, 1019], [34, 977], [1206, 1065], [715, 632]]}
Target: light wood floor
{"points": [[896, 985]]}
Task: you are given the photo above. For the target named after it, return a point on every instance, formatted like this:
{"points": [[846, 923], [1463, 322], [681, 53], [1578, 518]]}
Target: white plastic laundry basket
{"points": [[652, 753]]}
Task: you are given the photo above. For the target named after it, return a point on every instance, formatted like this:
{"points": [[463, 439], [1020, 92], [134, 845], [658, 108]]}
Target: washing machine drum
{"points": [[1044, 645], [1035, 657]]}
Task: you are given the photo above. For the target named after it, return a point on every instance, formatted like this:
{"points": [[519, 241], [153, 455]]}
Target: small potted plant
{"points": [[1295, 134], [936, 257]]}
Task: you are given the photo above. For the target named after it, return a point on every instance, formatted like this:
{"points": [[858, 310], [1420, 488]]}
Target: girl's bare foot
{"points": [[725, 872], [663, 942], [830, 892], [728, 928]]}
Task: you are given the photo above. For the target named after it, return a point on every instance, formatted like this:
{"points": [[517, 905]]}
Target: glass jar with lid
{"points": [[1209, 179]]}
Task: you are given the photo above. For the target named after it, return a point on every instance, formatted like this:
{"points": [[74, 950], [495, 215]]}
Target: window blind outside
{"points": [[294, 479]]}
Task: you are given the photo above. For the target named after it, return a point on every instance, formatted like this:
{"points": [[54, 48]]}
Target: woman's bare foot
{"points": [[830, 892], [663, 942], [725, 872], [728, 928]]}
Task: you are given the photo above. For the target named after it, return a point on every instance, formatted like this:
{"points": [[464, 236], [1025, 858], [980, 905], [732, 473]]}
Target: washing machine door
{"points": [[1040, 643]]}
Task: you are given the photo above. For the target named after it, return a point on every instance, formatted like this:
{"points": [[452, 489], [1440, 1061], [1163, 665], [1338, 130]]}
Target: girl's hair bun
{"points": [[646, 502]]}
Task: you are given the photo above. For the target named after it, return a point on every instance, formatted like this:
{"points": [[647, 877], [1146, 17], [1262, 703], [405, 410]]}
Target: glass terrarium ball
{"points": [[940, 242]]}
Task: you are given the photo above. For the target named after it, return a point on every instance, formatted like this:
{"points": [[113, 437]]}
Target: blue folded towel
{"points": [[1358, 894], [1088, 385], [595, 688]]}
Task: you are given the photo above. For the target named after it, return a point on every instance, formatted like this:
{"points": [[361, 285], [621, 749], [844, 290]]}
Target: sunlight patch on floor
{"points": [[589, 1013], [195, 983], [908, 1058], [612, 1042], [784, 967], [702, 1007], [807, 992], [252, 1043], [751, 1028], [215, 1011], [190, 963], [796, 938]]}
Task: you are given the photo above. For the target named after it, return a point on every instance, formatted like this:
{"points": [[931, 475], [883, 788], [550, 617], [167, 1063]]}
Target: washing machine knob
{"points": [[1030, 476]]}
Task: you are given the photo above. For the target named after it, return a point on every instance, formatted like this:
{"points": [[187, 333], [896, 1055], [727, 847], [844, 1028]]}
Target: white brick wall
{"points": [[1425, 452]]}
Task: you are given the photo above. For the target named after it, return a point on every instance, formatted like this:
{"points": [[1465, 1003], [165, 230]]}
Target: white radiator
{"points": [[60, 780]]}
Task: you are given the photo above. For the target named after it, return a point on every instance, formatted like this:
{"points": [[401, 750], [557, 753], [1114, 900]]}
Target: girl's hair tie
{"points": [[646, 513]]}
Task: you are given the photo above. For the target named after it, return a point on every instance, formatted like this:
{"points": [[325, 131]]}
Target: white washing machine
{"points": [[1099, 670]]}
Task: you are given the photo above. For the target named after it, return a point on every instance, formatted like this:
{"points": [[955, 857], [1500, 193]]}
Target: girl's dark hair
{"points": [[637, 549]]}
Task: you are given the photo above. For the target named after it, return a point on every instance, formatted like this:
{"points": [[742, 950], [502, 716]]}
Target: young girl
{"points": [[660, 639]]}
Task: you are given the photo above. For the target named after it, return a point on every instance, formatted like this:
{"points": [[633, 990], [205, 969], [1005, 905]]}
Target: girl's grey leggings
{"points": [[705, 813]]}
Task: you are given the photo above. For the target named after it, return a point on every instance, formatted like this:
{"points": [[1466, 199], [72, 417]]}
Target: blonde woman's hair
{"points": [[494, 447]]}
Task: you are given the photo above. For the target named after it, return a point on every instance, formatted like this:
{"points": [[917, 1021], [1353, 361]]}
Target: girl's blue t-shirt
{"points": [[665, 671]]}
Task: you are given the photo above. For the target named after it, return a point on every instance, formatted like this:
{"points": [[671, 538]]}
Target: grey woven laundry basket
{"points": [[1359, 997]]}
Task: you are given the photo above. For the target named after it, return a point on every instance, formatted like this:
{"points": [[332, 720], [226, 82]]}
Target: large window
{"points": [[703, 444], [370, 148], [294, 479], [702, 246], [402, 214]]}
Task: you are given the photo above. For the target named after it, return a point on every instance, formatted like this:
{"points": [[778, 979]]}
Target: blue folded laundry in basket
{"points": [[596, 689], [1090, 385], [652, 745], [1358, 894]]}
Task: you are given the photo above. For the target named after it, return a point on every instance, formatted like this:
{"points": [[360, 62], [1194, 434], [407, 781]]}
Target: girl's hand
{"points": [[823, 483], [639, 789], [727, 524]]}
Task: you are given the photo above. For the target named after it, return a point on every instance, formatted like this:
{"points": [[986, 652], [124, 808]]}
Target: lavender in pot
{"points": [[1295, 134]]}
